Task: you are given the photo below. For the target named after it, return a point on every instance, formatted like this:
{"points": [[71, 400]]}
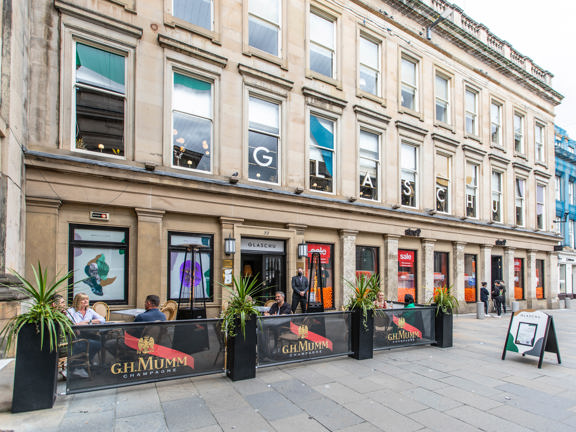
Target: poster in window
{"points": [[183, 274], [100, 273]]}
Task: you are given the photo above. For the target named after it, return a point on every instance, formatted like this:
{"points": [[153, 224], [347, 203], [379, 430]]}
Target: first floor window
{"points": [[443, 183], [366, 261], [100, 100], [540, 205], [406, 274], [539, 279], [470, 278], [321, 154], [519, 203], [190, 271], [472, 190], [408, 174], [496, 196], [369, 165], [197, 12], [263, 140], [192, 126], [98, 257]]}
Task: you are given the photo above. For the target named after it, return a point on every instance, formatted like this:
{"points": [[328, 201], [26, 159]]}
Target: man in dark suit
{"points": [[152, 312], [300, 288]]}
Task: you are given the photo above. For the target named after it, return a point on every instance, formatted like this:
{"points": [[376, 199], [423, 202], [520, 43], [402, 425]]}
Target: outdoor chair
{"points": [[103, 309]]}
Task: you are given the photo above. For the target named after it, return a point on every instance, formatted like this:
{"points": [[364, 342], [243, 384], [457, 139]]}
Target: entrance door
{"points": [[268, 270], [496, 269]]}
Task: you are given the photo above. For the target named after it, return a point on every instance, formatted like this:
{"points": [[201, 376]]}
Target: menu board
{"points": [[531, 333]]}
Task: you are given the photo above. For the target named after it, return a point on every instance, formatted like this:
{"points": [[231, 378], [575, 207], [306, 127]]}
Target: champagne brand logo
{"points": [[145, 345], [302, 332]]}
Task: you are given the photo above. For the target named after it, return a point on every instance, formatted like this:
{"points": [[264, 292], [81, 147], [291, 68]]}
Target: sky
{"points": [[544, 31]]}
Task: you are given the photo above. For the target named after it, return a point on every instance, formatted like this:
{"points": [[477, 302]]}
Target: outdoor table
{"points": [[130, 313], [262, 308]]}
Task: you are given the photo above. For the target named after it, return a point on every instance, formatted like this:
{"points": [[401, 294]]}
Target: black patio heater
{"points": [[188, 307], [315, 301]]}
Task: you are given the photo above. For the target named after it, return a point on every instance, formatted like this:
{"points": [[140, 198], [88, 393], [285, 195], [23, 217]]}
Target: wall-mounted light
{"points": [[302, 250], [230, 245]]}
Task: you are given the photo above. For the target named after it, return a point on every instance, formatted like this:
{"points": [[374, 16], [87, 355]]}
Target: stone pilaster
{"points": [[530, 283], [150, 261], [348, 261], [426, 288], [228, 228], [292, 259], [508, 276], [390, 278], [485, 266], [458, 271], [551, 288]]}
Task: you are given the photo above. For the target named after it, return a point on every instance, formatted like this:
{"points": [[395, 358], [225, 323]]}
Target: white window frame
{"points": [[572, 192], [448, 180], [212, 117], [541, 203], [539, 142], [279, 26], [519, 201], [376, 161], [413, 87], [213, 33], [496, 123], [473, 187], [498, 194], [446, 101], [410, 171], [336, 123], [277, 136], [333, 50], [110, 39], [558, 184], [473, 115], [361, 64], [519, 134], [570, 233]]}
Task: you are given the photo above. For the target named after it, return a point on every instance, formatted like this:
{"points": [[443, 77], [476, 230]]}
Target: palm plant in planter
{"points": [[38, 330], [239, 327], [361, 303], [446, 305]]}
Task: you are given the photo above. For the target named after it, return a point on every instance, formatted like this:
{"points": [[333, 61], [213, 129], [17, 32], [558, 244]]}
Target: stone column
{"points": [[150, 262], [530, 283], [390, 278], [292, 259], [426, 289], [42, 234], [551, 277], [348, 263], [508, 276], [458, 271], [485, 264]]}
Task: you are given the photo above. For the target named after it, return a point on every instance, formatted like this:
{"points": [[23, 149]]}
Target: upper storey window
{"points": [[539, 142], [264, 140], [369, 66], [100, 100], [322, 45], [264, 18], [409, 175], [471, 115], [192, 123], [197, 12], [321, 154], [496, 123], [369, 163], [409, 85], [518, 133], [442, 90]]}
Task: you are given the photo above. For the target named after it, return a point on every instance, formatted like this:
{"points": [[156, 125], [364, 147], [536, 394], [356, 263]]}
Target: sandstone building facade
{"points": [[337, 124]]}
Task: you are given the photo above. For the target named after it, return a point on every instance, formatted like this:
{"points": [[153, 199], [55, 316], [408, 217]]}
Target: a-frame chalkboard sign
{"points": [[531, 333]]}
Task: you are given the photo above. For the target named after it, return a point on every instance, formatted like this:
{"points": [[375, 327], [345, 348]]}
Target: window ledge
{"points": [[473, 137], [446, 126], [364, 95], [174, 22], [411, 113], [262, 55], [328, 80]]}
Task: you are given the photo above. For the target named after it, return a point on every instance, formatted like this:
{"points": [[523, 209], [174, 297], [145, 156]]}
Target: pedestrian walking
{"points": [[501, 293]]}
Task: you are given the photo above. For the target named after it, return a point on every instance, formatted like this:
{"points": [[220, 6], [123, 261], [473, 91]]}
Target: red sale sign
{"points": [[405, 258]]}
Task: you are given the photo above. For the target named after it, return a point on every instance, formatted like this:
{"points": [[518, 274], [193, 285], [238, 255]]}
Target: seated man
{"points": [[280, 307], [152, 312]]}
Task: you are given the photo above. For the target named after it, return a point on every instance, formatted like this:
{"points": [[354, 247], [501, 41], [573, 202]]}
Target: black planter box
{"points": [[362, 335], [241, 349], [36, 372], [443, 326]]}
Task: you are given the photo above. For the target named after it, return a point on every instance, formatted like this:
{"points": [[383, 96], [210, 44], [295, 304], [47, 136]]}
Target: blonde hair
{"points": [[77, 299]]}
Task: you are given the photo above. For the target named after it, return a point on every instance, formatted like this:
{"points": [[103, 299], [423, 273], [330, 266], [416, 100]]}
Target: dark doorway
{"points": [[268, 269], [496, 268]]}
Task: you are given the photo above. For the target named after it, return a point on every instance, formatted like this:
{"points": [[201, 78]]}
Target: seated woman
{"points": [[380, 302], [82, 314]]}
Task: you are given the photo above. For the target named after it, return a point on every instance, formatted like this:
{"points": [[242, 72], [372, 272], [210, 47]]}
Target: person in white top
{"points": [[81, 313]]}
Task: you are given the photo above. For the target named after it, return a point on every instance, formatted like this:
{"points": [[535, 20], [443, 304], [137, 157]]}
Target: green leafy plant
{"points": [[444, 300], [241, 305], [364, 294], [51, 323]]}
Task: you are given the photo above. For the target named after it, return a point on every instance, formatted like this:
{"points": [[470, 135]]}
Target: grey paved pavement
{"points": [[464, 388]]}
